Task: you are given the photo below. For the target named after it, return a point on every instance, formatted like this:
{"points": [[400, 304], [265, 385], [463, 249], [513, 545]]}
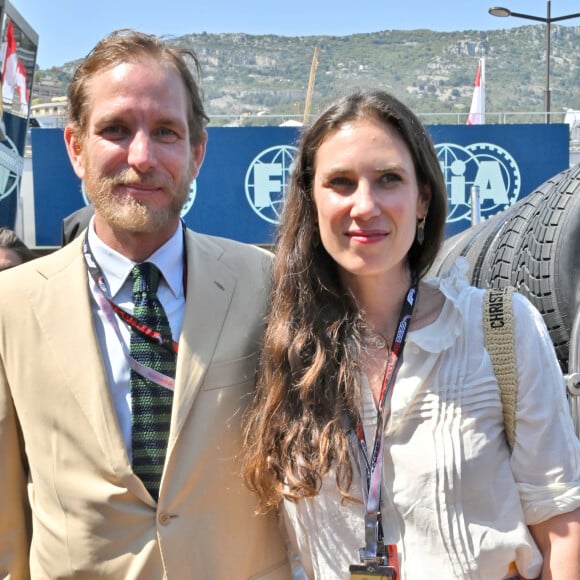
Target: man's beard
{"points": [[125, 212]]}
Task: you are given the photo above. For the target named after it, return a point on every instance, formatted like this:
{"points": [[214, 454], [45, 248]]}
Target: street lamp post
{"points": [[499, 11]]}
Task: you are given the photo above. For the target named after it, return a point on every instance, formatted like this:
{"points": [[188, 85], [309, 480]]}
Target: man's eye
{"points": [[113, 131], [167, 135]]}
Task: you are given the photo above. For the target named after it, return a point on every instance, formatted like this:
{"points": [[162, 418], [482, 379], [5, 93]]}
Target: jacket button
{"points": [[164, 518]]}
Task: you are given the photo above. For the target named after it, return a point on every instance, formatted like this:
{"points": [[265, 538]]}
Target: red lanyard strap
{"points": [[147, 372], [149, 333], [374, 467]]}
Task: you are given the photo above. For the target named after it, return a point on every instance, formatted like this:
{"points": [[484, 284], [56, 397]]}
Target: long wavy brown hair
{"points": [[295, 430]]}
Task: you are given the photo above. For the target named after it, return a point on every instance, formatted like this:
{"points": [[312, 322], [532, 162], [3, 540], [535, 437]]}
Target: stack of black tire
{"points": [[534, 245]]}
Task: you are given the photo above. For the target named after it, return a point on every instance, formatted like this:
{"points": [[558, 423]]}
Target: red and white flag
{"points": [[9, 65], [21, 87], [13, 72], [477, 111]]}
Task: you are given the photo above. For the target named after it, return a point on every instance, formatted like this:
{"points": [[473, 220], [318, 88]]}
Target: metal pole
{"points": [[573, 377], [475, 205], [548, 34]]}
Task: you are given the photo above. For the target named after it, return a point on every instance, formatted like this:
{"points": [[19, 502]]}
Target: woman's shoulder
{"points": [[454, 281], [448, 307], [454, 290]]}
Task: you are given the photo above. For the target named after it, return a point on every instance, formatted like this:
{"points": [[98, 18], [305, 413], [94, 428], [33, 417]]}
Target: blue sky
{"points": [[69, 28]]}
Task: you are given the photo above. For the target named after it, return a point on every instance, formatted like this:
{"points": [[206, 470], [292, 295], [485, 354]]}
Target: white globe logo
{"points": [[11, 167], [486, 165], [266, 181]]}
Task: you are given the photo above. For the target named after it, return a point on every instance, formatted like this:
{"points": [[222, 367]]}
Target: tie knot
{"points": [[145, 278]]}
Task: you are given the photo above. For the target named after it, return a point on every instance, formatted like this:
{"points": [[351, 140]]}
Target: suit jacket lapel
{"points": [[63, 306], [210, 287]]}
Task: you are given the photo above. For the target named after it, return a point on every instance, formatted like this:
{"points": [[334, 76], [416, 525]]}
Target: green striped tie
{"points": [[151, 403]]}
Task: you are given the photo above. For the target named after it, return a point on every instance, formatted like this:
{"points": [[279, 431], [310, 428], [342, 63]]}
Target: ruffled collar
{"points": [[442, 333]]}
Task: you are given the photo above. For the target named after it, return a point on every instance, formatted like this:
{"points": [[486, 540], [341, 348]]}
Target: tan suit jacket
{"points": [[62, 455]]}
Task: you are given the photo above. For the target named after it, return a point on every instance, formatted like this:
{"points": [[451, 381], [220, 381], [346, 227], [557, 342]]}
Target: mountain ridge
{"points": [[251, 79]]}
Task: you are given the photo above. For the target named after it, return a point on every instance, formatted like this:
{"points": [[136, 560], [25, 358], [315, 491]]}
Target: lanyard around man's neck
{"points": [[101, 288]]}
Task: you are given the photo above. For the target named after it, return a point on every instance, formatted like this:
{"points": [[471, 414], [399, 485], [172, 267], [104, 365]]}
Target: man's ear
{"points": [[197, 156], [75, 150]]}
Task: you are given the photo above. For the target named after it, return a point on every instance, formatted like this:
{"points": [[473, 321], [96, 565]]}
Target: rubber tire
{"points": [[535, 246]]}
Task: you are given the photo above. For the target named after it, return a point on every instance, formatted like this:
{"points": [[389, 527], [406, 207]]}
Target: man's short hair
{"points": [[127, 45]]}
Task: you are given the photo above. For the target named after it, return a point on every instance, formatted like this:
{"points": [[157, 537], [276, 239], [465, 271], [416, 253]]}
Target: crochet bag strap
{"points": [[499, 342]]}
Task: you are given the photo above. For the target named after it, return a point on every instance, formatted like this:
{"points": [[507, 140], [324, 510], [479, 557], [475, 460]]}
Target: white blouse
{"points": [[454, 500]]}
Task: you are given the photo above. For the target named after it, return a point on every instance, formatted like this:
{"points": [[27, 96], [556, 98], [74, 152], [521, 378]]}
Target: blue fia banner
{"points": [[11, 166], [506, 162], [240, 189]]}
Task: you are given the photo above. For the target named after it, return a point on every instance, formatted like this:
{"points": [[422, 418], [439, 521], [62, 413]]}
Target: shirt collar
{"points": [[443, 332], [116, 268]]}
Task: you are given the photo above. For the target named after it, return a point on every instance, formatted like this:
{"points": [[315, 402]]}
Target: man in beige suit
{"points": [[71, 504]]}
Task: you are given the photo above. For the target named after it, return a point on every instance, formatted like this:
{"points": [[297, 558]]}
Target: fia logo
{"points": [[11, 167], [490, 167], [266, 180]]}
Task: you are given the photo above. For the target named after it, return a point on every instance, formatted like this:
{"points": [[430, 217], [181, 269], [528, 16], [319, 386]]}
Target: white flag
{"points": [[477, 111]]}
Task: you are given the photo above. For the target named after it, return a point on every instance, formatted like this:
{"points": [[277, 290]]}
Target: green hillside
{"points": [[263, 79]]}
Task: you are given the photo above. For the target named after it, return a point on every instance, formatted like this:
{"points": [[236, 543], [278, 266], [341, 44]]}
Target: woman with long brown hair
{"points": [[377, 424]]}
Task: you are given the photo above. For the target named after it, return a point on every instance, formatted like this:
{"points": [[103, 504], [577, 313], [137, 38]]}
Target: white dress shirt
{"points": [[454, 500], [116, 270]]}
